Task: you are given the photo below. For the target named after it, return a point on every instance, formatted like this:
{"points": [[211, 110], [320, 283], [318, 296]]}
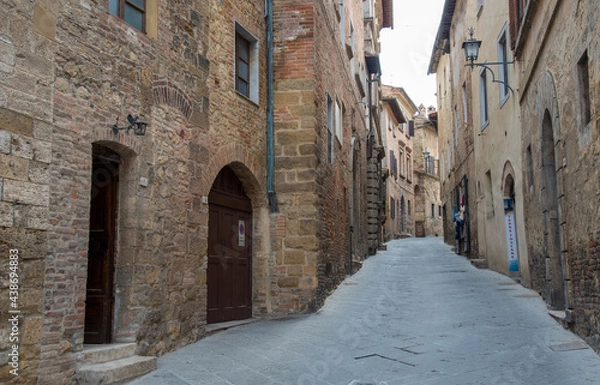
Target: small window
{"points": [[246, 63], [529, 167], [489, 194], [339, 113], [440, 211], [342, 23], [392, 208], [408, 206], [503, 68], [479, 7], [132, 11], [465, 104], [483, 99], [242, 65], [432, 210], [583, 74], [329, 129]]}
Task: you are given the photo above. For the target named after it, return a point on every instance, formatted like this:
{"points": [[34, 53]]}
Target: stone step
{"points": [[115, 372], [479, 263], [95, 354]]}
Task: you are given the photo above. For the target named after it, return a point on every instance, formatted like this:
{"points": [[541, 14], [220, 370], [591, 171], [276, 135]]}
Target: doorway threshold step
{"points": [[95, 354], [217, 327], [115, 372]]}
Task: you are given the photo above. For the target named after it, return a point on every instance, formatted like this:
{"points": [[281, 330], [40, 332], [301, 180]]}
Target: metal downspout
{"points": [[270, 111]]}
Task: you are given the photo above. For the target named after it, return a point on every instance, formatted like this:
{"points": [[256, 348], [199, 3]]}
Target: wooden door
{"points": [[419, 229], [229, 275], [99, 299]]}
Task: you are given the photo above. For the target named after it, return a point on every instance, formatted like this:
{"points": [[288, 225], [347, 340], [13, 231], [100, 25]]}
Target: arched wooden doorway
{"points": [[229, 275]]}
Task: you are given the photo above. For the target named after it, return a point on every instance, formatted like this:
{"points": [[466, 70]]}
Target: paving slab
{"points": [[416, 313]]}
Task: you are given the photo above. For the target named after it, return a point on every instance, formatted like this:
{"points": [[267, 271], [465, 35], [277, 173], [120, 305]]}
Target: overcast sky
{"points": [[406, 49]]}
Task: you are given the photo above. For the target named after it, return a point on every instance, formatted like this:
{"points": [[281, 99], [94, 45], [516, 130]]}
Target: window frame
{"points": [[242, 42], [503, 72], [330, 128], [484, 110], [339, 120], [465, 104], [241, 33], [119, 7]]}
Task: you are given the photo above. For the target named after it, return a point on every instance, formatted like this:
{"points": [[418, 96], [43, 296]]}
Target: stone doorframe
{"points": [[509, 191], [126, 225], [549, 129], [252, 175]]}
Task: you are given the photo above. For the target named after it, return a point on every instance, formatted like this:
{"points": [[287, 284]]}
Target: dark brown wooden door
{"points": [[99, 300], [419, 229], [229, 275]]}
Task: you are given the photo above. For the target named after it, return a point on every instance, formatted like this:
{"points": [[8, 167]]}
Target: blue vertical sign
{"points": [[511, 241]]}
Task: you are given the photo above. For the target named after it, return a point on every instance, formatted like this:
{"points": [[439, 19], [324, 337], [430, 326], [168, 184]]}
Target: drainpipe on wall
{"points": [[270, 111]]}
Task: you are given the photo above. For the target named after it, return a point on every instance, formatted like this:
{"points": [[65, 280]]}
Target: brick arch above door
{"points": [[248, 168]]}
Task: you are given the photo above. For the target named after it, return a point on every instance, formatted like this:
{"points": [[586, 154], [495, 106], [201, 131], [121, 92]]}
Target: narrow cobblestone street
{"points": [[414, 314]]}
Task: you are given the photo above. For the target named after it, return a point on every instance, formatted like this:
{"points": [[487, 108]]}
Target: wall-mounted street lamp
{"points": [[471, 47], [138, 127]]}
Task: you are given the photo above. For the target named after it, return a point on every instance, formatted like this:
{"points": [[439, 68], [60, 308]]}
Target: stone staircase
{"points": [[111, 364]]}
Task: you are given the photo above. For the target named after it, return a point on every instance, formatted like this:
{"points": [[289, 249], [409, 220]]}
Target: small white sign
{"points": [[241, 233]]}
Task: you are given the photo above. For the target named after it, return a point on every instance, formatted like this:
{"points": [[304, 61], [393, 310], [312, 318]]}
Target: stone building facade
{"points": [[321, 86], [558, 44], [428, 203], [550, 180], [457, 159], [124, 238], [398, 149], [488, 113]]}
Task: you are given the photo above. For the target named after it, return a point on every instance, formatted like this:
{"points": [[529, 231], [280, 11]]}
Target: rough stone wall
{"points": [[24, 157], [105, 69], [375, 200], [26, 63], [313, 195], [560, 34], [297, 248], [68, 70]]}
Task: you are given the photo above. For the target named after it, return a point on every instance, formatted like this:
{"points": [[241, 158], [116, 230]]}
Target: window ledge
{"points": [[244, 97]]}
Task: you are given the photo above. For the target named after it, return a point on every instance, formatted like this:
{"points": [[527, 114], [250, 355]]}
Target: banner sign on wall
{"points": [[511, 241]]}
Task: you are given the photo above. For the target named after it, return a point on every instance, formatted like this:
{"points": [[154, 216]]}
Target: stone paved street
{"points": [[414, 314]]}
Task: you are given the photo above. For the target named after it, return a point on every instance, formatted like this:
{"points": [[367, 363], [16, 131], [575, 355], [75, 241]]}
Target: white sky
{"points": [[406, 49]]}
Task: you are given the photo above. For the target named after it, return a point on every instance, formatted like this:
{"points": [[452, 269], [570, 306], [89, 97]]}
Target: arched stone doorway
{"points": [[551, 214], [229, 275], [510, 220]]}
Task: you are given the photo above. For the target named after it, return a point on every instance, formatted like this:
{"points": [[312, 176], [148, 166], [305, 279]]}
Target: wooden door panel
{"points": [[229, 255], [99, 286]]}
